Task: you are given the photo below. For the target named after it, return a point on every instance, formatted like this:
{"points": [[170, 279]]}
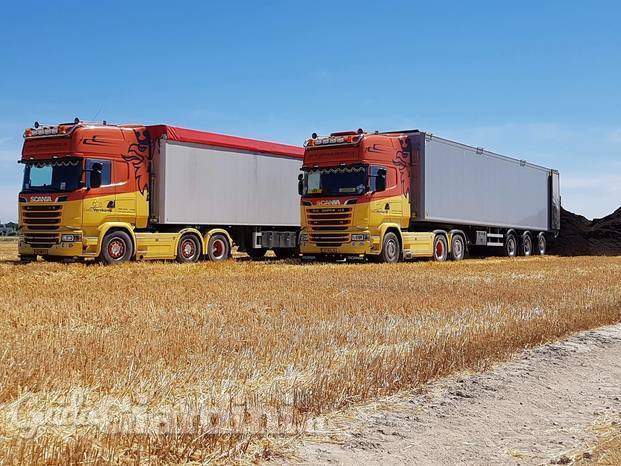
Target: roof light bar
{"points": [[332, 140]]}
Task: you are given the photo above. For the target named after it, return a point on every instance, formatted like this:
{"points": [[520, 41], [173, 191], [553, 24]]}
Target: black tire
{"points": [[27, 259], [117, 247], [256, 253], [218, 247], [440, 248], [527, 245], [391, 249], [286, 253], [511, 245], [189, 249], [458, 247], [542, 244]]}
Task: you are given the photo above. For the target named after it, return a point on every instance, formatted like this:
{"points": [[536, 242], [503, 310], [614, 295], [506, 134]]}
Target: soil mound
{"points": [[580, 237]]}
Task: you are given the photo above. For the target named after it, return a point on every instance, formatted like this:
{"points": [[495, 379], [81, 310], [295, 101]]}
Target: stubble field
{"points": [[169, 363]]}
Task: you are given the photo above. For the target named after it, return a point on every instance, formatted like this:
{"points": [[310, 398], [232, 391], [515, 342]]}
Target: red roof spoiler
{"points": [[193, 136]]}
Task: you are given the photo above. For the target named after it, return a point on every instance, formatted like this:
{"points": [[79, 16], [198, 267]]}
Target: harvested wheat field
{"points": [[169, 363]]}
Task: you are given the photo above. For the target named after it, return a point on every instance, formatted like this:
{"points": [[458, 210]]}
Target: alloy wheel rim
{"points": [[188, 249], [439, 249], [511, 246], [217, 249], [116, 249], [458, 247]]}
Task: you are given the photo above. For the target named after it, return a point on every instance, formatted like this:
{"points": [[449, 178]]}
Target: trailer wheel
{"points": [[511, 246], [256, 253], [542, 244], [218, 247], [391, 249], [527, 245], [440, 248], [189, 249], [117, 247], [458, 247]]}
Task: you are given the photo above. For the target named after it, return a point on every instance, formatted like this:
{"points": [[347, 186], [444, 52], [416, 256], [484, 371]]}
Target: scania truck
{"points": [[389, 196], [121, 192]]}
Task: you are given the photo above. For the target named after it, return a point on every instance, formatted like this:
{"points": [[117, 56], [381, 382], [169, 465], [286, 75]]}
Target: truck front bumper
{"points": [[350, 248], [59, 249]]}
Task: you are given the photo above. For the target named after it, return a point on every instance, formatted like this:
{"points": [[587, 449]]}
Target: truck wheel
{"points": [[256, 253], [458, 247], [511, 247], [218, 247], [391, 250], [27, 259], [286, 253], [542, 244], [188, 249], [117, 247], [527, 245], [440, 248]]}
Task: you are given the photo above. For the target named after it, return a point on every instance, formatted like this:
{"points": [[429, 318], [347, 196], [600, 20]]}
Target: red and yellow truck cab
{"points": [[353, 194], [77, 185], [125, 192]]}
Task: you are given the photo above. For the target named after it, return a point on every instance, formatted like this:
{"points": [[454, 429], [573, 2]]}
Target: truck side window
{"points": [[106, 171], [374, 173]]}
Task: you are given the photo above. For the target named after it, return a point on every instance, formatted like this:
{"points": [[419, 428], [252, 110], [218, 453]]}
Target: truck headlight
{"points": [[359, 237], [69, 238]]}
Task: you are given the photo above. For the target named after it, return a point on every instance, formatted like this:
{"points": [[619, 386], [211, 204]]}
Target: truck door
{"points": [[98, 205], [125, 195], [386, 204]]}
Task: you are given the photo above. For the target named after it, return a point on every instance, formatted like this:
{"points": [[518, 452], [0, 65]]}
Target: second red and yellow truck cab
{"points": [[403, 194]]}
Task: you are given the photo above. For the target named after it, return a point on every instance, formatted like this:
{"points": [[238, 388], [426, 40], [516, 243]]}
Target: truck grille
{"points": [[328, 227], [39, 224]]}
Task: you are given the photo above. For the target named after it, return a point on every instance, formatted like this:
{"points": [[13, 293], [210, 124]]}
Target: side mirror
{"points": [[95, 175], [380, 182], [300, 184]]}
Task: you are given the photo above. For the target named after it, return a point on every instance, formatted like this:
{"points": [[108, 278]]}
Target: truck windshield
{"points": [[335, 181], [52, 175]]}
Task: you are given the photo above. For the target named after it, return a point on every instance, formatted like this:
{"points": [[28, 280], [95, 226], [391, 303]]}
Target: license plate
{"points": [[328, 250], [41, 252]]}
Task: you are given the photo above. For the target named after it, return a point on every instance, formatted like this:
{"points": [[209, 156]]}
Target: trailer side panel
{"points": [[206, 185], [468, 186]]}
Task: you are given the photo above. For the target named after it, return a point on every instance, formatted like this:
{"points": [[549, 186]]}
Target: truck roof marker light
{"points": [[36, 124], [76, 120]]}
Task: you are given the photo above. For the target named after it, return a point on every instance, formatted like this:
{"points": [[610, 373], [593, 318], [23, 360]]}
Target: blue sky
{"points": [[537, 80]]}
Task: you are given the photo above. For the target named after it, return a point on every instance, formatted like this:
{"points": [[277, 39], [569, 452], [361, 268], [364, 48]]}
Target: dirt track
{"points": [[527, 411]]}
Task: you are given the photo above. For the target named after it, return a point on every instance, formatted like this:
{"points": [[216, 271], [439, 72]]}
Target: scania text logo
{"points": [[41, 199], [329, 202]]}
